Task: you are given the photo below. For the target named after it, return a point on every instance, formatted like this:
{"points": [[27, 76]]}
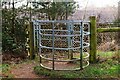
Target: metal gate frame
{"points": [[37, 41]]}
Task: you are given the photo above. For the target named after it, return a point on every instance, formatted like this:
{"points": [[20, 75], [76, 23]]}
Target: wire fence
{"points": [[108, 43]]}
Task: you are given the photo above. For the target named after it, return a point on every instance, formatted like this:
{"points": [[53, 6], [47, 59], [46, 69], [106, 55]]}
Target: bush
{"points": [[13, 33]]}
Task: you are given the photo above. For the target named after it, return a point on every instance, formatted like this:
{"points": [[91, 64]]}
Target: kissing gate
{"points": [[62, 45]]}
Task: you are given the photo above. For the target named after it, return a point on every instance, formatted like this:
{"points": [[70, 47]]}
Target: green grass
{"points": [[5, 68], [108, 54], [108, 69]]}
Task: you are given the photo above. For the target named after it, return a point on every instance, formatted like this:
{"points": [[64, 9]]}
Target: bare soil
{"points": [[25, 70]]}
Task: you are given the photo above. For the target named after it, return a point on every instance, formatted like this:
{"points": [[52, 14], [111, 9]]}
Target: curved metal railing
{"points": [[72, 36]]}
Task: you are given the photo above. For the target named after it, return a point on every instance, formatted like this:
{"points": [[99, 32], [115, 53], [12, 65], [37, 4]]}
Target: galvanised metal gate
{"points": [[62, 45]]}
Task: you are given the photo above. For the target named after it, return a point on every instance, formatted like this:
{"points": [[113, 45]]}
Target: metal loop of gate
{"points": [[62, 42]]}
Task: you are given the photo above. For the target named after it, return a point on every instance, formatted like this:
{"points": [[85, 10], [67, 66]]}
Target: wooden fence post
{"points": [[31, 43], [93, 39]]}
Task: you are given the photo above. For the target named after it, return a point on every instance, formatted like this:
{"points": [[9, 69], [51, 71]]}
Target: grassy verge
{"points": [[108, 69], [5, 68]]}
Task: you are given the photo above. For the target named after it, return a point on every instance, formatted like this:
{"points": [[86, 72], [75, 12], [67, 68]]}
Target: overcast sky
{"points": [[97, 3], [86, 3]]}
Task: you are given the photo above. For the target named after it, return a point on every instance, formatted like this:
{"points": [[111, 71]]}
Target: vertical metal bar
{"points": [[71, 38], [68, 27], [34, 29], [40, 38], [53, 43], [81, 45], [37, 38]]}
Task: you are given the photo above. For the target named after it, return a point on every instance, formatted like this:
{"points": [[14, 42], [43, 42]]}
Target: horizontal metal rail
{"points": [[60, 35], [87, 45], [59, 48], [64, 35], [60, 21], [77, 59], [84, 32], [76, 69]]}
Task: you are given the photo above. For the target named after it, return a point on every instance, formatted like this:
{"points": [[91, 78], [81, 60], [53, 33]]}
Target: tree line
{"points": [[14, 18]]}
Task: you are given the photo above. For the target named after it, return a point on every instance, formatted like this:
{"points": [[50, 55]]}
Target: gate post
{"points": [[93, 39], [31, 43]]}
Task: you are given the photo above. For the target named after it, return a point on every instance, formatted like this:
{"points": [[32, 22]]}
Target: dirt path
{"points": [[25, 70]]}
